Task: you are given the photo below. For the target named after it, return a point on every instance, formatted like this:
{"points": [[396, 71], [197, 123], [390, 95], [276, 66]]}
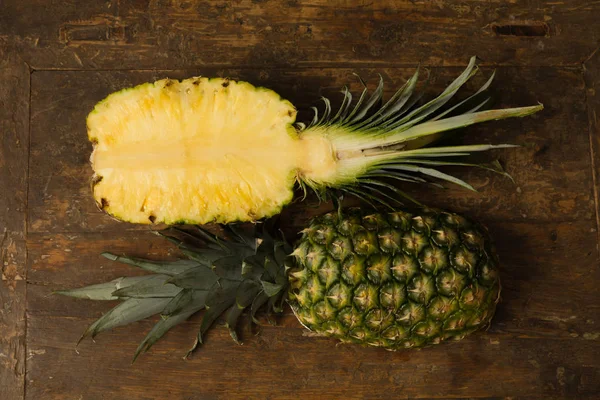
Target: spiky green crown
{"points": [[377, 142], [226, 276]]}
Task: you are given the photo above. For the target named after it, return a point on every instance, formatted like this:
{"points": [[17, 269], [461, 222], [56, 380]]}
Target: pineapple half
{"points": [[215, 150], [389, 279]]}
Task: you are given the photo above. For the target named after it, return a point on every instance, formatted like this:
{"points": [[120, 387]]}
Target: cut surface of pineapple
{"points": [[199, 150]]}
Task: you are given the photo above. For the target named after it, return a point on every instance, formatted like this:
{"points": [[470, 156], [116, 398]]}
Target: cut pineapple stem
{"points": [[354, 156], [363, 138]]}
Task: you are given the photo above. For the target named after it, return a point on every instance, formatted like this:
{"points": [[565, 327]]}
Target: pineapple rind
{"points": [[405, 296]]}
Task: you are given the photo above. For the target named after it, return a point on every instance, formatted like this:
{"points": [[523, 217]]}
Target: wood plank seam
{"points": [[26, 350], [311, 65], [594, 152]]}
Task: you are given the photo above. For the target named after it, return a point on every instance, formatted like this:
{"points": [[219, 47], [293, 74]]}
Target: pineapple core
{"points": [[201, 150]]}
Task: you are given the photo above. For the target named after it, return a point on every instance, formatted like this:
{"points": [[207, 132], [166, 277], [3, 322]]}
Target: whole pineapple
{"points": [[393, 279]]}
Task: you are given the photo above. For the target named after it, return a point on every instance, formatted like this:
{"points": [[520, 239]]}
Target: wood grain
{"points": [[132, 34], [545, 339], [14, 147], [12, 339], [483, 366]]}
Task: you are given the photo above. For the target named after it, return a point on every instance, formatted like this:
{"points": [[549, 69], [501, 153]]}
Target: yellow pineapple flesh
{"points": [[199, 150]]}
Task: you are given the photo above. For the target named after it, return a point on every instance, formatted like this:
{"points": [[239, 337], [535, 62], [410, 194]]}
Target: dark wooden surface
{"points": [[58, 58]]}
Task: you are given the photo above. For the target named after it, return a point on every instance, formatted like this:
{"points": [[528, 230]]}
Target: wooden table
{"points": [[58, 58]]}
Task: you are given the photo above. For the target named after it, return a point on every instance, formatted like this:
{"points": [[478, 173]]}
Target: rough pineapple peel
{"points": [[216, 150]]}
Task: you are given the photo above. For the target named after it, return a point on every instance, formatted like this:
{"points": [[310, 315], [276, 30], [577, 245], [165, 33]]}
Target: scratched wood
{"points": [[545, 338], [177, 34], [485, 366], [14, 113]]}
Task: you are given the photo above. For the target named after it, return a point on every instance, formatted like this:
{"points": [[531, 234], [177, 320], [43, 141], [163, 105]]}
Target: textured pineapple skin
{"points": [[394, 280]]}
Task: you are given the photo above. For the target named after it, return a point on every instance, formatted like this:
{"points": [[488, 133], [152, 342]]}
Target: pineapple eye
{"points": [[414, 242], [433, 259], [421, 289], [464, 261]]}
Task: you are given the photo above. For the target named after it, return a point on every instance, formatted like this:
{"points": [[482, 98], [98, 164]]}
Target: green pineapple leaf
{"points": [[228, 268], [130, 310], [260, 300], [102, 291], [177, 311], [153, 286], [433, 173], [158, 331], [202, 278], [186, 299], [271, 289], [160, 267], [232, 318]]}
